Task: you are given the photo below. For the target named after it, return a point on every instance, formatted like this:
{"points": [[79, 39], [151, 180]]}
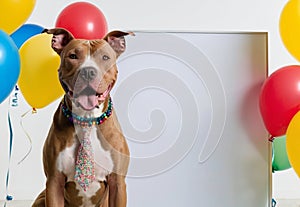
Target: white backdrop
{"points": [[227, 15]]}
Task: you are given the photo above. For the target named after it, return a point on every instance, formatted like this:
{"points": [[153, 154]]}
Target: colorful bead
{"points": [[87, 122]]}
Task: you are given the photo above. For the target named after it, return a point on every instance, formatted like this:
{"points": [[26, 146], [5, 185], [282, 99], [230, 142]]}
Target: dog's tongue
{"points": [[88, 102]]}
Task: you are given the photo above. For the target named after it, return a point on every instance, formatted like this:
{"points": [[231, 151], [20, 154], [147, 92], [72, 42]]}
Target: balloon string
{"points": [[271, 138], [27, 135], [273, 155], [11, 135]]}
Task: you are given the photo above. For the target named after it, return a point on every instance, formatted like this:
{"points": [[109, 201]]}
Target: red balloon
{"points": [[84, 20], [279, 100]]}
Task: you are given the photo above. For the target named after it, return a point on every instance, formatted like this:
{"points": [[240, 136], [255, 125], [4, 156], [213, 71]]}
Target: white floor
{"points": [[280, 203], [16, 203], [288, 203]]}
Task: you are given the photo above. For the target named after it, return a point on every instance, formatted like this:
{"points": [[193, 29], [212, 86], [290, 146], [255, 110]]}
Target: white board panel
{"points": [[188, 105]]}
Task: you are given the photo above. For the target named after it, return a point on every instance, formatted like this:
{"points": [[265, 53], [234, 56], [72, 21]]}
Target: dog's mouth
{"points": [[89, 98]]}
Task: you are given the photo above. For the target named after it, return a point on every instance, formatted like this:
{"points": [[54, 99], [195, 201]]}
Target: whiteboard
{"points": [[188, 106]]}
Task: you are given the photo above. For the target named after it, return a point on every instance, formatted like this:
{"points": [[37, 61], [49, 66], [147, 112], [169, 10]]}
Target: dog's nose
{"points": [[88, 73]]}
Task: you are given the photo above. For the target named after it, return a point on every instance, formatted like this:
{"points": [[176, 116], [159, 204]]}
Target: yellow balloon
{"points": [[13, 13], [289, 25], [38, 79], [293, 143]]}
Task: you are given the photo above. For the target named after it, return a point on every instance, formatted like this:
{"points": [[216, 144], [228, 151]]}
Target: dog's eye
{"points": [[105, 57], [73, 56]]}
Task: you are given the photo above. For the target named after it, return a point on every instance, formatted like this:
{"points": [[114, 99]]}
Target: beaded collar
{"points": [[83, 121]]}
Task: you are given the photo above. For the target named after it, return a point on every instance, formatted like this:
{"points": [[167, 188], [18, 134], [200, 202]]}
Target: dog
{"points": [[85, 155]]}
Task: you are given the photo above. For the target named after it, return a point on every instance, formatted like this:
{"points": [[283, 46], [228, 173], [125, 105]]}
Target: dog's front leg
{"points": [[55, 190], [117, 190]]}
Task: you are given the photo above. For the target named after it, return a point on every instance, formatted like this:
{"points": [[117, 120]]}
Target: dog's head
{"points": [[88, 68]]}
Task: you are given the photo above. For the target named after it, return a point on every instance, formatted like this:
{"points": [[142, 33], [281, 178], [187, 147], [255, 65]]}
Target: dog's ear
{"points": [[117, 41], [61, 37]]}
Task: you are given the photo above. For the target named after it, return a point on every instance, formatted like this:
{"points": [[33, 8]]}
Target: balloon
{"points": [[293, 143], [38, 80], [280, 158], [289, 26], [279, 99], [25, 32], [9, 65], [13, 13], [83, 20]]}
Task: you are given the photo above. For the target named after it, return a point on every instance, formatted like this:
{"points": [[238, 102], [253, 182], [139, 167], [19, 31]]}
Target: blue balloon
{"points": [[9, 65], [25, 32]]}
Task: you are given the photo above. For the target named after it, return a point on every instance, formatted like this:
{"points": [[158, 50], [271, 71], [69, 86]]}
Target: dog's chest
{"points": [[103, 163]]}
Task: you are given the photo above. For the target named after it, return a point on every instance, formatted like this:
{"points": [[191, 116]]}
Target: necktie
{"points": [[85, 163]]}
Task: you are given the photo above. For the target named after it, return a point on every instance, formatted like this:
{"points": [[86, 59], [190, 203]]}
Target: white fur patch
{"points": [[66, 161], [103, 159], [88, 62], [86, 195]]}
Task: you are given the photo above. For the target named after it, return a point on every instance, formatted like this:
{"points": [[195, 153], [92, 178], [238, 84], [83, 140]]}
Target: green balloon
{"points": [[280, 160]]}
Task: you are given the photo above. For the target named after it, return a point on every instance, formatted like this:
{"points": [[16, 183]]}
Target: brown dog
{"points": [[85, 155]]}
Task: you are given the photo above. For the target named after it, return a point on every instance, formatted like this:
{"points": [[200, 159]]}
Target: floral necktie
{"points": [[85, 163]]}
